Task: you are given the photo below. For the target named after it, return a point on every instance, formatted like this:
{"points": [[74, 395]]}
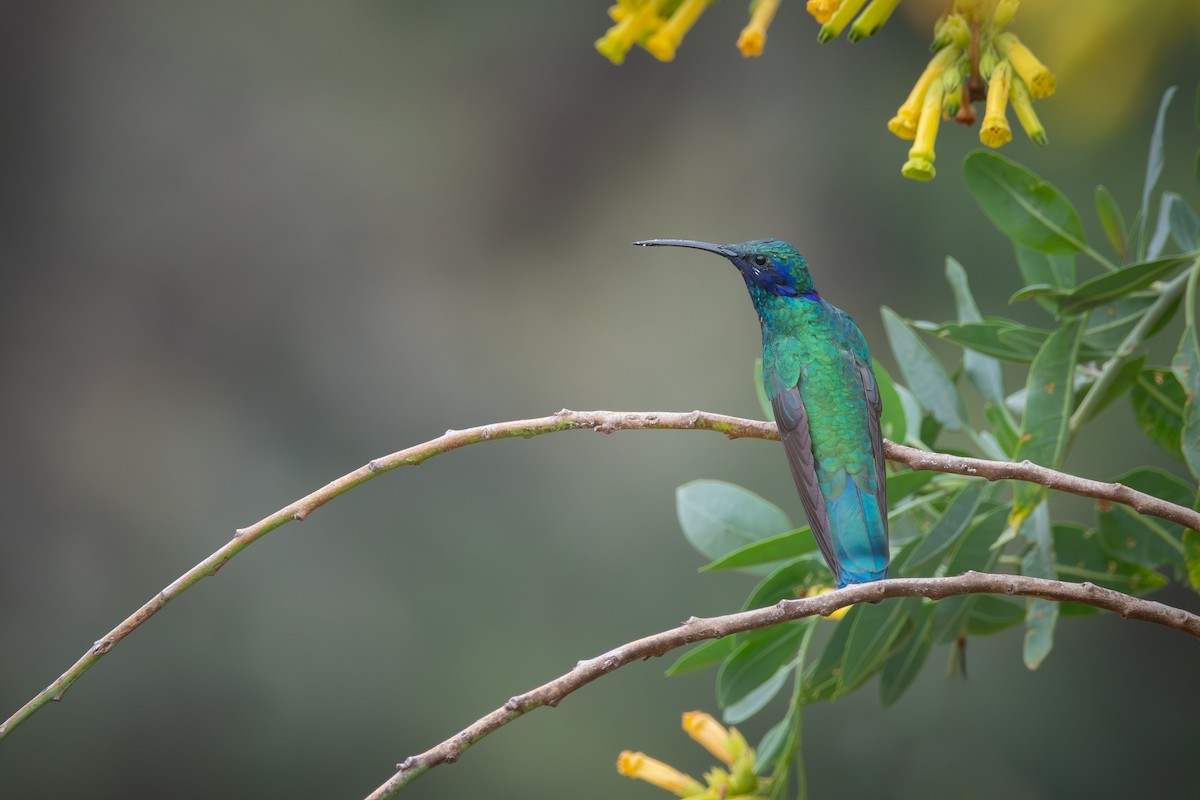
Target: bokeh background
{"points": [[249, 246]]}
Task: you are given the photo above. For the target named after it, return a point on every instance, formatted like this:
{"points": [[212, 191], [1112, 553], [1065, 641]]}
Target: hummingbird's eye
{"points": [[760, 260]]}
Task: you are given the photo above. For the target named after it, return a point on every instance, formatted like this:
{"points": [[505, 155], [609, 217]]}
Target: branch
{"points": [[565, 420], [697, 629]]}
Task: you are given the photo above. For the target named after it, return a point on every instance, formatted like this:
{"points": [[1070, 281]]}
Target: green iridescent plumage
{"points": [[817, 374]]}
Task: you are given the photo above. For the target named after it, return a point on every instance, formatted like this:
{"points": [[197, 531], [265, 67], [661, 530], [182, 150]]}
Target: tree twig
{"points": [[697, 629], [604, 422]]}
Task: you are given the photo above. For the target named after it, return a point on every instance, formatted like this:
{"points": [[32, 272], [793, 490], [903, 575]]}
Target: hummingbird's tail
{"points": [[858, 529]]}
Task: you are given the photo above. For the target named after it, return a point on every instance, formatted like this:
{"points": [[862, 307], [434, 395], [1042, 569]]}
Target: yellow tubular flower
{"points": [[617, 13], [904, 124], [711, 734], [870, 21], [1022, 103], [822, 10], [663, 44], [995, 131], [840, 19], [754, 35], [1040, 80], [1005, 10], [920, 156], [633, 25], [642, 767]]}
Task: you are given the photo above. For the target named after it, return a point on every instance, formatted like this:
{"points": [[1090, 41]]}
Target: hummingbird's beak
{"points": [[712, 248]]}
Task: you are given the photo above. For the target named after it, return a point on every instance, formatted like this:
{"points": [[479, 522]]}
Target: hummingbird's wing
{"points": [[871, 391], [792, 419]]}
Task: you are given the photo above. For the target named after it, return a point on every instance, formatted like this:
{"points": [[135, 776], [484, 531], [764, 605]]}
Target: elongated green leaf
{"points": [[1191, 552], [783, 547], [904, 484], [1041, 615], [1049, 400], [1003, 428], [770, 747], [999, 338], [1046, 269], [923, 373], [903, 665], [1113, 285], [757, 660], [872, 634], [991, 614], [1145, 540], [1186, 366], [1038, 291], [1080, 556], [975, 551], [821, 679], [1110, 323], [1162, 228], [1154, 167], [703, 655], [718, 518], [1028, 210], [754, 700], [892, 420], [1114, 224], [790, 580], [1158, 401], [954, 522], [983, 371], [1182, 221]]}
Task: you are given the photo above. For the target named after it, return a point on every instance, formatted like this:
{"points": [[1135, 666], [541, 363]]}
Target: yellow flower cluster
{"points": [[658, 26], [975, 59], [738, 782]]}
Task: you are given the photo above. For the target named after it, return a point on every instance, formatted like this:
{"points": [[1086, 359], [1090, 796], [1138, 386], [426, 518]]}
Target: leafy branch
{"points": [[565, 420], [698, 629]]}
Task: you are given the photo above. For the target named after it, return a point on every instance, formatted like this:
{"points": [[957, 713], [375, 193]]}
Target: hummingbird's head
{"points": [[769, 266]]}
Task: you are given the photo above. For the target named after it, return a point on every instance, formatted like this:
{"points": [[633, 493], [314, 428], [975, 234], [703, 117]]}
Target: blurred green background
{"points": [[249, 246]]}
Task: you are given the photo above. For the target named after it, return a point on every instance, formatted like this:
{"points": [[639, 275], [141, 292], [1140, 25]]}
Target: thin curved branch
{"points": [[697, 629], [565, 420]]}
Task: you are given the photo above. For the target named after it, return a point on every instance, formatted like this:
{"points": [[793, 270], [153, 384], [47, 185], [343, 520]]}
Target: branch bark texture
{"points": [[566, 420], [697, 629]]}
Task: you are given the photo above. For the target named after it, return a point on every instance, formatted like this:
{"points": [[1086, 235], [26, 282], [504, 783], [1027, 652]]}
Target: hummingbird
{"points": [[817, 374]]}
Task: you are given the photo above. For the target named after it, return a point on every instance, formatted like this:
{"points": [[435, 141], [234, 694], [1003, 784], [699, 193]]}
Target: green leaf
{"points": [[1080, 556], [904, 484], [1186, 366], [1113, 285], [703, 655], [1049, 270], [904, 664], [756, 698], [778, 548], [892, 420], [1154, 167], [791, 580], [1110, 323], [1038, 291], [991, 614], [983, 371], [975, 551], [1025, 208], [923, 373], [995, 337], [1127, 375], [760, 391], [1139, 539], [1191, 552], [1049, 399], [1114, 224], [872, 634], [953, 523], [757, 660], [821, 679], [770, 747], [1002, 427], [1041, 615], [1185, 227], [1158, 401], [718, 518]]}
